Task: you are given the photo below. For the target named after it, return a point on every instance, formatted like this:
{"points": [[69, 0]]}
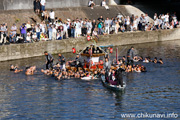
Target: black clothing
{"points": [[100, 19], [84, 31], [61, 57], [49, 61], [78, 64], [119, 77], [93, 24], [62, 60], [37, 5], [130, 56]]}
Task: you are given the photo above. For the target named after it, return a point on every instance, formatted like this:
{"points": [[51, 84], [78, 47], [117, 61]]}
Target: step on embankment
{"points": [[87, 12], [18, 17]]}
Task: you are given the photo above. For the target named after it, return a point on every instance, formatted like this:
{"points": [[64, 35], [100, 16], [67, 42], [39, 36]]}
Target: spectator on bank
{"points": [[12, 36], [122, 28], [43, 3], [37, 6], [84, 28], [60, 30], [91, 4], [155, 16], [119, 16], [54, 32], [6, 25], [33, 29], [50, 28], [93, 26], [117, 27], [65, 30], [101, 18], [100, 26], [28, 26], [52, 16], [78, 28], [132, 18], [103, 4], [135, 23], [3, 34], [73, 25], [45, 15], [146, 18], [38, 31], [127, 23], [107, 25], [43, 27], [28, 38], [89, 27], [69, 27], [23, 31], [34, 37]]}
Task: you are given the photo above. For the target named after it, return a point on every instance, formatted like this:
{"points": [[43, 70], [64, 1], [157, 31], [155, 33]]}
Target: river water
{"points": [[42, 97]]}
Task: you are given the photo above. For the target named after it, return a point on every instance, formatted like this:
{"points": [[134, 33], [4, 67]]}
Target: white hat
{"points": [[68, 20]]}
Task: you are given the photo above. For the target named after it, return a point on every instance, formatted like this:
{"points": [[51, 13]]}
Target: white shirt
{"points": [[78, 25], [106, 23], [43, 2], [42, 26], [3, 29], [28, 38], [135, 23], [167, 18], [89, 24], [163, 18], [146, 19], [119, 16], [38, 29], [65, 27], [54, 30], [103, 3], [90, 2], [52, 14], [156, 22], [128, 21], [14, 28]]}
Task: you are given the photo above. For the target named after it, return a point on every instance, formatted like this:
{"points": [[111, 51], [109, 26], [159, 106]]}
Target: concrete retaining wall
{"points": [[18, 51]]}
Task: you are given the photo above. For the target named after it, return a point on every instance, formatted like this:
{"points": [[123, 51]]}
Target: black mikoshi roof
{"points": [[93, 51]]}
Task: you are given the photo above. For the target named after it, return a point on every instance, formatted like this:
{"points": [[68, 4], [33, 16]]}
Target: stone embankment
{"points": [[19, 51]]}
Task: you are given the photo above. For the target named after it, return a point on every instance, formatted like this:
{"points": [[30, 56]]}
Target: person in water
{"points": [[30, 70], [49, 60], [155, 60], [130, 56], [78, 63], [160, 61], [15, 69], [146, 60]]}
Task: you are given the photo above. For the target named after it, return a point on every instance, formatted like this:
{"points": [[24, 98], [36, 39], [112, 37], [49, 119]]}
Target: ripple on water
{"points": [[41, 97]]}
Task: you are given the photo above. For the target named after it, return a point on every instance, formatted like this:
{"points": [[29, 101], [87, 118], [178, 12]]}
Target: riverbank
{"points": [[19, 51], [23, 16]]}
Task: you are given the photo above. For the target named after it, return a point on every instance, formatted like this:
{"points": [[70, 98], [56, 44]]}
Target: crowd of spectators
{"points": [[52, 28]]}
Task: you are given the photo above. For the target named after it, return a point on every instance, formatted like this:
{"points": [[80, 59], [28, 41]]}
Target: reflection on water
{"points": [[39, 96]]}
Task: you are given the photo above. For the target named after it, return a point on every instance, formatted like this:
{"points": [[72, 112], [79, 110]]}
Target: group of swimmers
{"points": [[76, 69], [148, 60]]}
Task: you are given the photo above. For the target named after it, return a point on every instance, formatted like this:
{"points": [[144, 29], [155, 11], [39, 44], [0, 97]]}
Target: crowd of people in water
{"points": [[54, 28], [80, 68]]}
